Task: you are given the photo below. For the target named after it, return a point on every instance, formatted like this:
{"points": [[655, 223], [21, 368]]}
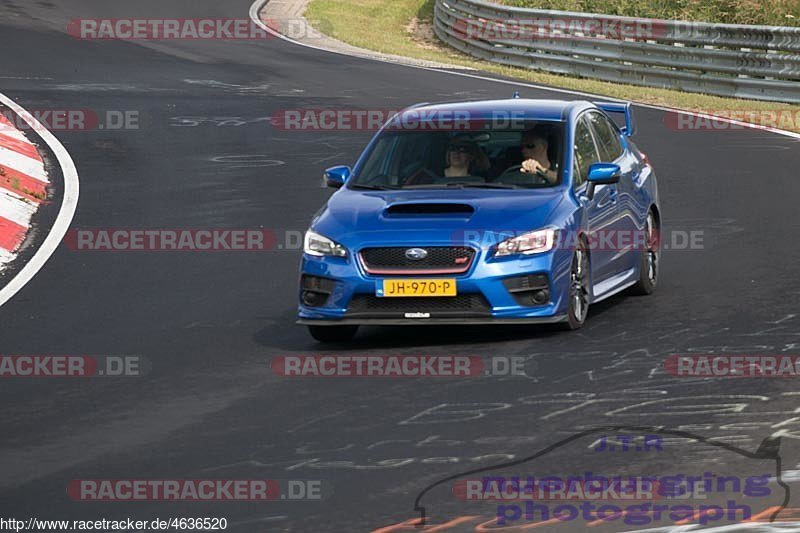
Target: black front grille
{"points": [[450, 258], [463, 305]]}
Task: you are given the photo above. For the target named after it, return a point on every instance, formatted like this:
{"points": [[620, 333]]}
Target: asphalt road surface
{"points": [[210, 323]]}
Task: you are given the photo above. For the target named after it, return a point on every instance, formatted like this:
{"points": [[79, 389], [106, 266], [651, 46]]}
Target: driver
{"points": [[465, 158], [534, 152]]}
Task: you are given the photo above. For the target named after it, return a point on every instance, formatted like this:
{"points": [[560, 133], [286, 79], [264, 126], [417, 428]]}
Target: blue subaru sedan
{"points": [[507, 211]]}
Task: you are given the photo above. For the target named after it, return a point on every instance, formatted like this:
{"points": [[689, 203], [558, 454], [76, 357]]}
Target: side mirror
{"points": [[335, 177], [601, 173]]}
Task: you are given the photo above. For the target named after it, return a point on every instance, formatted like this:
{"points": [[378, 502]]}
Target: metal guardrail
{"points": [[759, 62]]}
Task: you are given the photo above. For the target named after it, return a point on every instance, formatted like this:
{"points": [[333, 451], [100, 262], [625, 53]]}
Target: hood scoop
{"points": [[430, 209]]}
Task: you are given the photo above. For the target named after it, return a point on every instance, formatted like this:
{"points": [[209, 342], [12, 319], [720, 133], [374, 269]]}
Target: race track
{"points": [[210, 323]]}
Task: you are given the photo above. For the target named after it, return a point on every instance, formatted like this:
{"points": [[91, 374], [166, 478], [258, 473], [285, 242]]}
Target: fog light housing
{"points": [[529, 291], [315, 290], [540, 297], [312, 299]]}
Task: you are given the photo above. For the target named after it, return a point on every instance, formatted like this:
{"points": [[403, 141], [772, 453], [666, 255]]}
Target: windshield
{"points": [[528, 156]]}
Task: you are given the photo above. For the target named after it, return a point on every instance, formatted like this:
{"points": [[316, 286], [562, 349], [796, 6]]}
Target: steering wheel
{"points": [[511, 169], [515, 170]]}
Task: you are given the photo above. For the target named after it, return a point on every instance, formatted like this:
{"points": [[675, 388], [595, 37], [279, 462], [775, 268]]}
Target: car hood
{"points": [[356, 218]]}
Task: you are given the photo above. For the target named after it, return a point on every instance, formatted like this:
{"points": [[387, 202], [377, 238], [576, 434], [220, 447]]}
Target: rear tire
{"points": [[578, 289], [649, 263], [333, 333]]}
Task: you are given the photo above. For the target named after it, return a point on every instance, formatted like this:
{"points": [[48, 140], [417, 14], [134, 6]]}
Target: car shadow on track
{"points": [[283, 337]]}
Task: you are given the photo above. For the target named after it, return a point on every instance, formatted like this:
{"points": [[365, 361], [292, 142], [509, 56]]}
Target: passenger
{"points": [[465, 158], [535, 157]]}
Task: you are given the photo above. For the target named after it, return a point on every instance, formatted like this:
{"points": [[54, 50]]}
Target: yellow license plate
{"points": [[416, 287]]}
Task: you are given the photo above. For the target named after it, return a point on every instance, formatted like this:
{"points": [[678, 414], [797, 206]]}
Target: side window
{"points": [[585, 151], [607, 137]]}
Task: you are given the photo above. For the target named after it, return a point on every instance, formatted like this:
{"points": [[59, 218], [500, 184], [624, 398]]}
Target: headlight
{"points": [[319, 245], [534, 242]]}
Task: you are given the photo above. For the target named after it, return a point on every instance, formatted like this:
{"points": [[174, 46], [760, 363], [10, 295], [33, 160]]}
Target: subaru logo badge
{"points": [[416, 254]]}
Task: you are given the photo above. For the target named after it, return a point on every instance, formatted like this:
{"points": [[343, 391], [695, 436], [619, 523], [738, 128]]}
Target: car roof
{"points": [[553, 110]]}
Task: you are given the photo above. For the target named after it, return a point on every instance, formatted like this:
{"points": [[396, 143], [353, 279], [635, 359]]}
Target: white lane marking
{"points": [[15, 208], [257, 5], [68, 204], [263, 87], [248, 161], [98, 87], [23, 78], [22, 163]]}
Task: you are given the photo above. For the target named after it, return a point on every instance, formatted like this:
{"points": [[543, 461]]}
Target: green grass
{"points": [[769, 12], [403, 27]]}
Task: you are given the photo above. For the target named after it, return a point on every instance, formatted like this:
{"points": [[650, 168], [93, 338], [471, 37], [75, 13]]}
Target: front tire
{"points": [[333, 333], [649, 267], [578, 289]]}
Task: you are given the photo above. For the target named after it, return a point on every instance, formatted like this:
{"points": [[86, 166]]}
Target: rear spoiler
{"points": [[620, 107]]}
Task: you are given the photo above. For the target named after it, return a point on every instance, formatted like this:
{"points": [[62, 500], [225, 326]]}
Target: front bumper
{"points": [[428, 321], [484, 289]]}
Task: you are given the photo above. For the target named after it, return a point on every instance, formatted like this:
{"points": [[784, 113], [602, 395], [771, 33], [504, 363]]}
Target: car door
{"points": [[609, 143], [601, 210]]}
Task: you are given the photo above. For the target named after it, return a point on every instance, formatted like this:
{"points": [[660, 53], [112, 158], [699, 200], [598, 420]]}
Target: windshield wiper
{"points": [[489, 185], [427, 186], [461, 185], [366, 187]]}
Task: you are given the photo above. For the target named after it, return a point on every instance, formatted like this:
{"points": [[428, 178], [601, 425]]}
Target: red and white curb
{"points": [[23, 182], [23, 187]]}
